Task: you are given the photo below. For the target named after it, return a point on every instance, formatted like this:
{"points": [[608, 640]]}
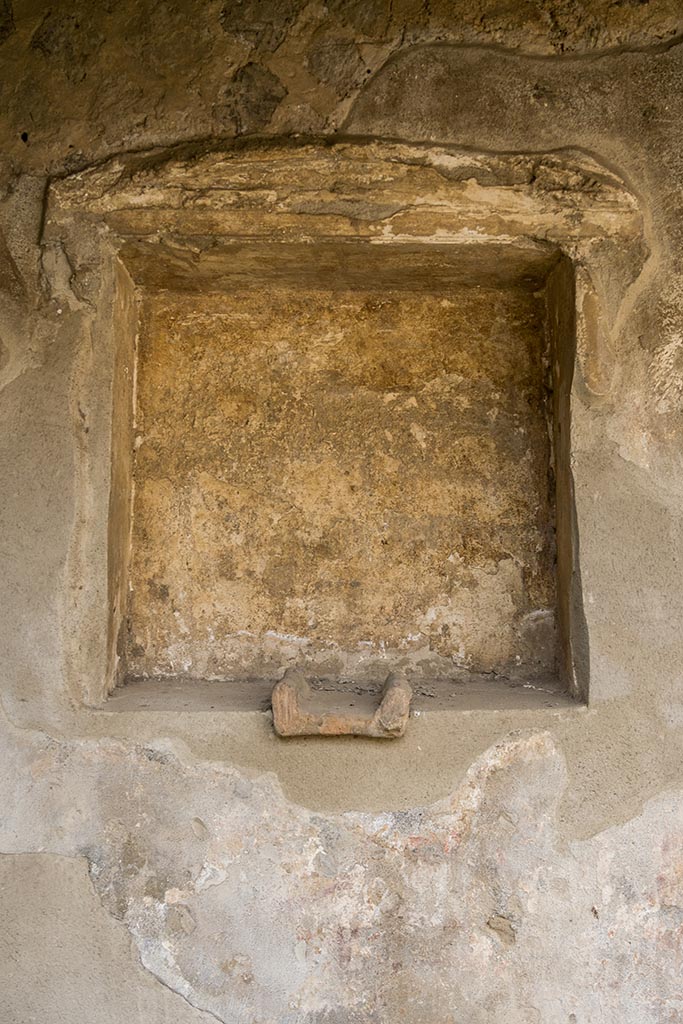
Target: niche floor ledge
{"points": [[173, 694]]}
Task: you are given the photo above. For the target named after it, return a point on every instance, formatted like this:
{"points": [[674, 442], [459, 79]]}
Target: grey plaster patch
{"points": [[64, 960]]}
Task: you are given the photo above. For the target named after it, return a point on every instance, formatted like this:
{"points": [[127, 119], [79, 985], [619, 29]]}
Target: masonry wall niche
{"points": [[351, 460], [336, 431]]}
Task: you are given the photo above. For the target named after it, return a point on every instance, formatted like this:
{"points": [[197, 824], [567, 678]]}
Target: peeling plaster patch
{"points": [[296, 911], [503, 928], [209, 876], [667, 374], [89, 968], [250, 100]]}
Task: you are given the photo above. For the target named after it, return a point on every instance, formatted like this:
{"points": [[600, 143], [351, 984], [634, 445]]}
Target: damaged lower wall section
{"points": [[255, 909]]}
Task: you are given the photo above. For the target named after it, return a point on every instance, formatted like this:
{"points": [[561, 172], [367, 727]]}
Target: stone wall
{"points": [[173, 863]]}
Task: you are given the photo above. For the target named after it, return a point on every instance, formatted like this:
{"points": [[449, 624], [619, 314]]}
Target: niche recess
{"points": [[340, 381]]}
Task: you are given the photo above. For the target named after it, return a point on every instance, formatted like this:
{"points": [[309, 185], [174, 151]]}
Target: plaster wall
{"points": [[508, 864], [368, 472]]}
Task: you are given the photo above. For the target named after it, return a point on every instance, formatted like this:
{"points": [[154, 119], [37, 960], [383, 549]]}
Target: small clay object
{"points": [[295, 712]]}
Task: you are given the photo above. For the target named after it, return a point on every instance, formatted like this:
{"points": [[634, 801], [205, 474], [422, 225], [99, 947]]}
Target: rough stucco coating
{"points": [[360, 477], [541, 879], [474, 908], [92, 976]]}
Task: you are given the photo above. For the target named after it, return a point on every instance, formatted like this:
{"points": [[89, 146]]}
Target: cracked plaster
{"points": [[476, 907]]}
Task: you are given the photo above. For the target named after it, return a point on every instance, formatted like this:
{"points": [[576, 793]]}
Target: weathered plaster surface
{"points": [[474, 908], [360, 477], [520, 878], [93, 976]]}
